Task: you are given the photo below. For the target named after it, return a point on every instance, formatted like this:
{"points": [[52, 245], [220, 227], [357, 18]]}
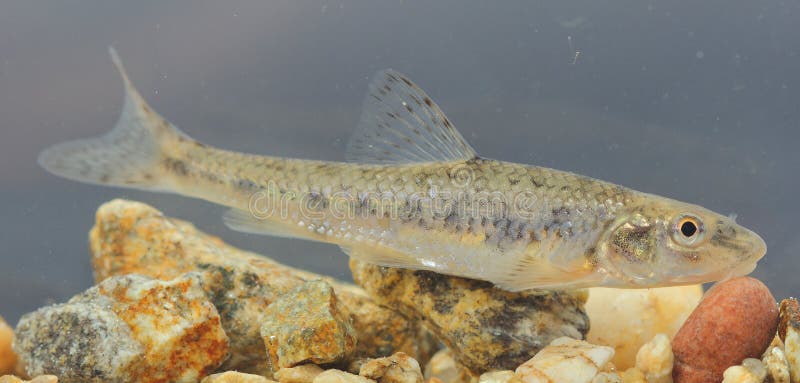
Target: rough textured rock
{"points": [[235, 377], [38, 379], [131, 237], [307, 325], [615, 312], [486, 328], [655, 359], [128, 328], [398, 368], [8, 359], [789, 331], [777, 365], [337, 376], [564, 360], [301, 374], [735, 320], [750, 371]]}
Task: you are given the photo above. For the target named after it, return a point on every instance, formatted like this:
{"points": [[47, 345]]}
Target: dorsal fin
{"points": [[401, 124]]}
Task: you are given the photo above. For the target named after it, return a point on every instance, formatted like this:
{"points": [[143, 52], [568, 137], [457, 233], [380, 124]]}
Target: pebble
{"points": [[8, 359], [564, 360], [128, 328], [789, 331], [338, 376], [502, 376], [614, 312], [132, 237], [307, 325], [38, 379], [235, 377], [633, 375], [607, 377], [398, 368], [443, 367], [750, 371], [304, 373], [484, 327], [735, 320], [655, 360], [777, 365]]}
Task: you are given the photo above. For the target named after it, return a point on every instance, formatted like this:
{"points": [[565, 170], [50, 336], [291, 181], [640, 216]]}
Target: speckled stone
{"points": [[398, 368], [777, 365], [735, 320], [307, 325], [486, 328], [128, 328], [235, 377], [789, 331], [132, 237]]}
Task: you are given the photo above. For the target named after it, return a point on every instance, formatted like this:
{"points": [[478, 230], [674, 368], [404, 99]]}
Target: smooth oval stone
{"points": [[735, 320]]}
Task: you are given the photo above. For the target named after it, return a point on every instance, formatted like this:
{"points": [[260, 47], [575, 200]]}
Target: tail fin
{"points": [[128, 155]]}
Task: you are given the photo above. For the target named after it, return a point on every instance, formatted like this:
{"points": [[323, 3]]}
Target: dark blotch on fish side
{"points": [[176, 166]]}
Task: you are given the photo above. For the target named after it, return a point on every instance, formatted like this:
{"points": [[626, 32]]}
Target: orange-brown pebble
{"points": [[735, 320], [8, 359], [38, 379]]}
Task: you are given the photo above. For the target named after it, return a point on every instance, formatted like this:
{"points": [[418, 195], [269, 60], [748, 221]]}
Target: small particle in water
{"points": [[700, 55]]}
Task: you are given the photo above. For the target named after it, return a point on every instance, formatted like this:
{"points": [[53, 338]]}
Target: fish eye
{"points": [[688, 229]]}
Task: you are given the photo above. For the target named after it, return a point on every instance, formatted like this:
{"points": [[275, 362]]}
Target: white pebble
{"points": [[655, 359], [496, 376], [751, 371], [564, 360]]}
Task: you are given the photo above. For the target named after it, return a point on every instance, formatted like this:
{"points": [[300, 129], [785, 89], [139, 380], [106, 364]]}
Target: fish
{"points": [[414, 194]]}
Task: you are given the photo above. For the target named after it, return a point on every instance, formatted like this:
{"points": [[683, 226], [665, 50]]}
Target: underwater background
{"points": [[694, 101]]}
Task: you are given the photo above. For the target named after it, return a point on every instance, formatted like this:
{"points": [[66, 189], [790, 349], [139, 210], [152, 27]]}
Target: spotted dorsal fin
{"points": [[401, 124]]}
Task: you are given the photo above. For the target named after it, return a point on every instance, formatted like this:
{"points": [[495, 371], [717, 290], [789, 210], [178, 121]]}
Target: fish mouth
{"points": [[758, 248], [755, 247], [743, 258]]}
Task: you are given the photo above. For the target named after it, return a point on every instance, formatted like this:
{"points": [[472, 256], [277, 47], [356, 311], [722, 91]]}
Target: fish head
{"points": [[664, 242]]}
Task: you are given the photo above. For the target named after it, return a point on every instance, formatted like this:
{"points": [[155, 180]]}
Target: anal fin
{"points": [[384, 257], [246, 222]]}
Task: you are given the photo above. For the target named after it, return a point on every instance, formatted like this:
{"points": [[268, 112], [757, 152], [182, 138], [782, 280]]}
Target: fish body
{"points": [[416, 195]]}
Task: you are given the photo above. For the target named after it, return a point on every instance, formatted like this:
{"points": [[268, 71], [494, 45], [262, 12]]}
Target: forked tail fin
{"points": [[129, 155]]}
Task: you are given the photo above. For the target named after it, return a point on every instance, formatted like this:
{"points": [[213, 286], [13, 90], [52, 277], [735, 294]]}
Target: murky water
{"points": [[694, 101]]}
